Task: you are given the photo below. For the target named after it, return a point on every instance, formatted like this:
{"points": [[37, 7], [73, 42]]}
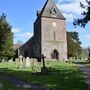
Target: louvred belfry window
{"points": [[53, 11]]}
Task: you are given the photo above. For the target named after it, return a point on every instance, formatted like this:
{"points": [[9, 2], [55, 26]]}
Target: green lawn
{"points": [[68, 77], [88, 65]]}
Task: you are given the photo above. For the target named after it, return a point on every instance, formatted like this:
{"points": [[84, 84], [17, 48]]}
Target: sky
{"points": [[21, 14]]}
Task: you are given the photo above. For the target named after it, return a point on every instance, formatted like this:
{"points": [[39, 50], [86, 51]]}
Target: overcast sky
{"points": [[21, 15]]}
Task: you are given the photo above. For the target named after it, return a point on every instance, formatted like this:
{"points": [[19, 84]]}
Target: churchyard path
{"points": [[21, 83], [86, 72]]}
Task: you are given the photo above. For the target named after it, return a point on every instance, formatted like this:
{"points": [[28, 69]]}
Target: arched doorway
{"points": [[55, 54]]}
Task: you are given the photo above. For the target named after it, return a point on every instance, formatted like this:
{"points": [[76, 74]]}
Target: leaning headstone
{"points": [[27, 62]]}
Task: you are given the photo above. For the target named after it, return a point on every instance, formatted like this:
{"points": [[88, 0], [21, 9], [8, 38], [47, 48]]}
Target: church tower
{"points": [[50, 33]]}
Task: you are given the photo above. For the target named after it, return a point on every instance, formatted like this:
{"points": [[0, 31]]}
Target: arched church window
{"points": [[53, 11]]}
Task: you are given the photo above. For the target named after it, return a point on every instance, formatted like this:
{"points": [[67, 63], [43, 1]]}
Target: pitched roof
{"points": [[17, 45], [50, 10], [29, 41]]}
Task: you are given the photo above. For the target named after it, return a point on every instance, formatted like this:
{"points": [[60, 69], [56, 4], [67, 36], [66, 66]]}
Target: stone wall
{"points": [[26, 50], [37, 38]]}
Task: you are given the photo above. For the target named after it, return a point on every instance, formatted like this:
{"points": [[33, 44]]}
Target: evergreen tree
{"points": [[73, 43], [86, 15], [6, 38], [89, 54]]}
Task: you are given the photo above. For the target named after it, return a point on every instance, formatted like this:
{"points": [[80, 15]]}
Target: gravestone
{"points": [[20, 61], [44, 70], [35, 63], [3, 60], [27, 62], [24, 62], [43, 60], [17, 61], [10, 61], [32, 63]]}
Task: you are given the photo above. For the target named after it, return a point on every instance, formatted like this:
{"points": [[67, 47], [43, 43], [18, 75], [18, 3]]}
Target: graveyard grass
{"points": [[68, 78], [87, 65]]}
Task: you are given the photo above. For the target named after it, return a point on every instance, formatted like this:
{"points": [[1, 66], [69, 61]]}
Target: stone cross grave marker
{"points": [[43, 60], [44, 70]]}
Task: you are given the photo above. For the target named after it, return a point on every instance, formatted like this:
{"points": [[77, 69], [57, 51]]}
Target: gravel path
{"points": [[86, 72], [21, 83]]}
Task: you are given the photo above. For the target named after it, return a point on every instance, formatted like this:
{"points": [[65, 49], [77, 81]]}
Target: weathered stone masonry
{"points": [[49, 35]]}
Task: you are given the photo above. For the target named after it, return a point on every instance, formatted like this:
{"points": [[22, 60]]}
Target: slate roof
{"points": [[17, 45], [48, 7], [28, 42]]}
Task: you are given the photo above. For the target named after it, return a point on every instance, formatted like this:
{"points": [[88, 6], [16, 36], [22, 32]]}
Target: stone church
{"points": [[49, 36]]}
